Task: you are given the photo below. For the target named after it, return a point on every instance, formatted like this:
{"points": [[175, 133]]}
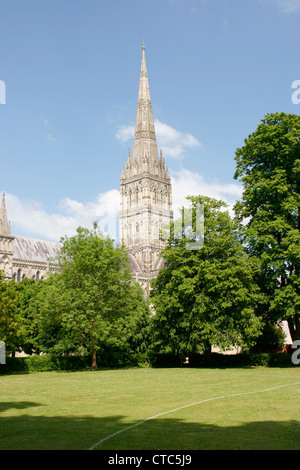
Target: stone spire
{"points": [[144, 146], [145, 193], [4, 224]]}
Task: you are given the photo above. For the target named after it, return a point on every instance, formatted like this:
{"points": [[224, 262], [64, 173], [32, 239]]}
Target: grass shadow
{"points": [[34, 432]]}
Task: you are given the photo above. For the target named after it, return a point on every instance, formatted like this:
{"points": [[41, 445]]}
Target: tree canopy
{"points": [[268, 165], [207, 297]]}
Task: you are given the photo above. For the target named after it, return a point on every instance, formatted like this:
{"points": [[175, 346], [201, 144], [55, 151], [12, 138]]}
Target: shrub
{"points": [[114, 360]]}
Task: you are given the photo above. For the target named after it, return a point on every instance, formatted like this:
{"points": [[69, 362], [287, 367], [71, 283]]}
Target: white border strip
{"points": [[186, 406]]}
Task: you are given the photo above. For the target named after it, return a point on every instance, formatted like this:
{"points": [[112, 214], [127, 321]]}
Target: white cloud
{"points": [[49, 138], [172, 142], [188, 183], [125, 133], [44, 120], [46, 124], [31, 219], [289, 6]]}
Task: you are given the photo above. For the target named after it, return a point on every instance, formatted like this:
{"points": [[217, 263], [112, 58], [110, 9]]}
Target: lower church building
{"points": [[145, 209], [23, 256]]}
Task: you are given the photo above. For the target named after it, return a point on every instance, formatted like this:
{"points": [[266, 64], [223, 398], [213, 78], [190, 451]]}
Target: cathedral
{"points": [[145, 192], [145, 209]]}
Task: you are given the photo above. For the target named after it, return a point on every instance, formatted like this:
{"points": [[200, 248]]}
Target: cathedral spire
{"points": [[4, 224], [144, 136], [145, 193]]}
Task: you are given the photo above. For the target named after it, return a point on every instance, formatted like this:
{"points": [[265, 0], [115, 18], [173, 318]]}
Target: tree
{"points": [[268, 165], [83, 304], [207, 297], [11, 324]]}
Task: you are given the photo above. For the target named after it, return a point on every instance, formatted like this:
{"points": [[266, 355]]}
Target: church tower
{"points": [[145, 191], [6, 242]]}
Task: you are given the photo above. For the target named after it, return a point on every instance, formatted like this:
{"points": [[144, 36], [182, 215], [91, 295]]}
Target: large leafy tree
{"points": [[208, 296], [79, 308], [268, 165]]}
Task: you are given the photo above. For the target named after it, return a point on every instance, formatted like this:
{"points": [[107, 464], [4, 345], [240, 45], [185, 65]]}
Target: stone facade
{"points": [[145, 192]]}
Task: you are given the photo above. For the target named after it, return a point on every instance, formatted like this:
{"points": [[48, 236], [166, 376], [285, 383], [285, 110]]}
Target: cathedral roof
{"points": [[35, 250]]}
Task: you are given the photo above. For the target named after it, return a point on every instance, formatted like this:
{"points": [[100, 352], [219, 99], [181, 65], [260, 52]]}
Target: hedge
{"points": [[120, 359], [44, 363], [49, 362], [215, 360]]}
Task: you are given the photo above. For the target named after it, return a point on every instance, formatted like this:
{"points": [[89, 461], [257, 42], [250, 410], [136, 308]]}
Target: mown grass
{"points": [[255, 408]]}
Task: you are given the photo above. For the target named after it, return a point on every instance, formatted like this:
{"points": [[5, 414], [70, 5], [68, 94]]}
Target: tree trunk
{"points": [[94, 363]]}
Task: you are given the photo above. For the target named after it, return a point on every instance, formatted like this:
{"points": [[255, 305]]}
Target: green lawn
{"points": [[255, 408]]}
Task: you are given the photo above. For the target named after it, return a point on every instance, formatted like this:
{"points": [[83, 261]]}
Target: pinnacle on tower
{"points": [[4, 224]]}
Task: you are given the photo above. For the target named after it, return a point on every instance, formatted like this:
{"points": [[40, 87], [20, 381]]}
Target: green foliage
{"points": [[12, 328], [207, 297], [46, 310], [272, 339], [93, 304], [268, 165], [52, 362], [27, 290], [132, 331]]}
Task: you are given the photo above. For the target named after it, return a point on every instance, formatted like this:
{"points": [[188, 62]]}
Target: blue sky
{"points": [[71, 74]]}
